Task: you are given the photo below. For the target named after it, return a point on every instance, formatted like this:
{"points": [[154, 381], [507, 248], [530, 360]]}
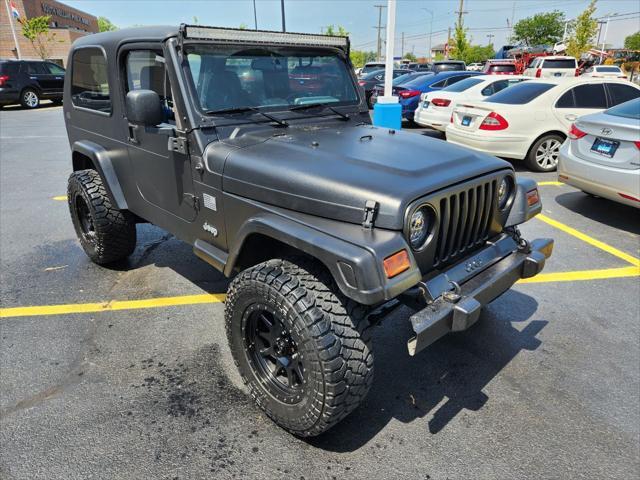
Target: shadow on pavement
{"points": [[442, 380], [601, 210]]}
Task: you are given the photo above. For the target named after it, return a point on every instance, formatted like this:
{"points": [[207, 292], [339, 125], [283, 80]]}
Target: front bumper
{"points": [[456, 310]]}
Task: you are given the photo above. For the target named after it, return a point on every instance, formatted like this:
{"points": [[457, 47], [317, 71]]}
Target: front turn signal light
{"points": [[533, 197], [396, 263]]}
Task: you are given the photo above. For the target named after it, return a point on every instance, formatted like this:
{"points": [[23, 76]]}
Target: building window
{"points": [[89, 83]]}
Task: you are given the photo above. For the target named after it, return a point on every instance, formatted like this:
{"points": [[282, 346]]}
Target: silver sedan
{"points": [[601, 155]]}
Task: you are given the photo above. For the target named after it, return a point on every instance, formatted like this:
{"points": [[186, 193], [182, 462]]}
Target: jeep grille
{"points": [[465, 220]]}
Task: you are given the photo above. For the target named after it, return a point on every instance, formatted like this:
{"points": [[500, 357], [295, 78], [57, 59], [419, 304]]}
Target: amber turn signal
{"points": [[533, 197], [396, 263]]}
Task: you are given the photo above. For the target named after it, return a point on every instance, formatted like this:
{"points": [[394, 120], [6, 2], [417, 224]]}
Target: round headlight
{"points": [[419, 228], [504, 192]]}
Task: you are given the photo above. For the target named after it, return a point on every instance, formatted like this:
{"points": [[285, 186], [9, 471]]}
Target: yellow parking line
{"points": [[555, 184], [601, 274], [60, 198], [590, 240], [111, 305]]}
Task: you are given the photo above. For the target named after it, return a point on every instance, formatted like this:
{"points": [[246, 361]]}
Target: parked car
{"points": [[602, 154], [530, 121], [323, 224], [436, 107], [602, 71], [552, 66], [26, 82], [448, 65], [378, 90], [370, 80], [500, 67], [410, 93], [371, 67], [475, 67]]}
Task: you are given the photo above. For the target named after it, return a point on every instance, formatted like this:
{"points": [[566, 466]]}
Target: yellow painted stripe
{"points": [[60, 198], [584, 275], [590, 240], [554, 184], [110, 306]]}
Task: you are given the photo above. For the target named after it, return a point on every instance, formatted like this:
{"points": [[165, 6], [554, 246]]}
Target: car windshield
{"points": [[520, 94], [630, 109], [462, 85], [560, 63], [240, 78], [608, 69], [373, 73]]}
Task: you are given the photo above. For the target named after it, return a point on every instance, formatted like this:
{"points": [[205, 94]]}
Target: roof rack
{"points": [[237, 35]]}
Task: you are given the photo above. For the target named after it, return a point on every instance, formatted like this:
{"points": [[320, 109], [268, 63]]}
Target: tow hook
{"points": [[523, 245], [452, 296]]}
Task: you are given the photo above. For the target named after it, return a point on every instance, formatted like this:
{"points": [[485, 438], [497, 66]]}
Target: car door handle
{"points": [[133, 134], [571, 117]]}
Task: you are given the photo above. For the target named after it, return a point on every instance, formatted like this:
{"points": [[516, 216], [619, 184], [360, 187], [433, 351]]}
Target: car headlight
{"points": [[419, 225], [504, 192]]}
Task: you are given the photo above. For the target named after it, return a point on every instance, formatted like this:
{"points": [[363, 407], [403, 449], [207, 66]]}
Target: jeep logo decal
{"points": [[471, 266]]}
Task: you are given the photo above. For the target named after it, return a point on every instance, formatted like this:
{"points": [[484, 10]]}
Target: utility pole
{"points": [[379, 28], [402, 48], [490, 35], [513, 15], [284, 28], [430, 34], [446, 51], [461, 12], [255, 14]]}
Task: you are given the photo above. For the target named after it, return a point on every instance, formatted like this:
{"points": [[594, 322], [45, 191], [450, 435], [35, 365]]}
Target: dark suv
{"points": [[257, 149], [28, 81]]}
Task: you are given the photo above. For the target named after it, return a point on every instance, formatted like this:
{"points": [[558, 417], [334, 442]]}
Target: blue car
{"points": [[409, 93]]}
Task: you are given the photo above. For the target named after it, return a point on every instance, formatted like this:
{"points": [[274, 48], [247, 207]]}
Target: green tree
{"points": [[105, 25], [540, 29], [478, 53], [584, 31], [36, 30], [459, 43], [360, 57], [243, 26], [632, 42], [411, 57], [339, 31]]}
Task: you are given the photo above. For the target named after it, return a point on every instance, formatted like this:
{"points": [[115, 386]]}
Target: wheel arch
{"points": [[90, 155], [550, 132]]}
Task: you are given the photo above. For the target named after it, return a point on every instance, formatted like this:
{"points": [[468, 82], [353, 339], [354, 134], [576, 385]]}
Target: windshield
{"points": [[231, 77], [630, 109], [462, 85]]}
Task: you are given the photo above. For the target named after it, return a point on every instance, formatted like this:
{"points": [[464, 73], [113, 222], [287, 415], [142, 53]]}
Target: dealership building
{"points": [[66, 23]]}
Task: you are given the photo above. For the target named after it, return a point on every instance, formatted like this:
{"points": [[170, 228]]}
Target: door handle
{"points": [[133, 134], [571, 117]]}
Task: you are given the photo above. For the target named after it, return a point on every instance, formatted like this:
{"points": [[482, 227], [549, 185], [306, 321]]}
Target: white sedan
{"points": [[601, 71], [530, 121], [435, 107], [602, 154]]}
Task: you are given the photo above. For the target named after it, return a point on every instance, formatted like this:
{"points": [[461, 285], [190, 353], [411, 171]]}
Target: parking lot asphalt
{"points": [[130, 376]]}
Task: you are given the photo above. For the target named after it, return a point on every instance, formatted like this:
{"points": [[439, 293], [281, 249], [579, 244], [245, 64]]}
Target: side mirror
{"points": [[144, 108]]}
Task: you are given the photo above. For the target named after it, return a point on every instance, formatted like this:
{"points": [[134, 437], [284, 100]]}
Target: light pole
{"points": [[387, 112], [430, 32], [284, 28], [255, 14]]}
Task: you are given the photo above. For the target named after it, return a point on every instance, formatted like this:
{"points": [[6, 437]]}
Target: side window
{"points": [[55, 69], [36, 68], [566, 100], [495, 87], [439, 84], [452, 80], [590, 96], [621, 93], [146, 71], [89, 84]]}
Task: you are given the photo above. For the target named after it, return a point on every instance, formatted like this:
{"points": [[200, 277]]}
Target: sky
{"points": [[360, 17]]}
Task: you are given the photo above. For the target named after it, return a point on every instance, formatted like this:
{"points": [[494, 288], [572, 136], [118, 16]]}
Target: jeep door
{"points": [[162, 174]]}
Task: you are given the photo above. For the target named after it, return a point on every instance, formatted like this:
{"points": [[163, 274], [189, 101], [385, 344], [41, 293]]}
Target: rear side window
{"points": [[520, 94], [622, 93], [451, 80], [89, 84], [7, 68], [36, 68], [463, 85], [502, 68], [496, 87], [560, 63], [590, 96], [55, 69]]}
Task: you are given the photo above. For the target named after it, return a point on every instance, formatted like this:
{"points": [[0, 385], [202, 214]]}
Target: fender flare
{"points": [[355, 269], [102, 163]]}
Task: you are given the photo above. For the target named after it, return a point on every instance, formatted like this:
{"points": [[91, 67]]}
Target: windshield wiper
{"points": [[307, 106], [282, 123]]}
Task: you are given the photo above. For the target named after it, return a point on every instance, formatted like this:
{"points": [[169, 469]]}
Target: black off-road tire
{"points": [[105, 233], [331, 333], [29, 98]]}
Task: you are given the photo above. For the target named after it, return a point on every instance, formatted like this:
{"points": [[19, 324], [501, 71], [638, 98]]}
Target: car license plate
{"points": [[605, 147], [466, 121], [425, 104]]}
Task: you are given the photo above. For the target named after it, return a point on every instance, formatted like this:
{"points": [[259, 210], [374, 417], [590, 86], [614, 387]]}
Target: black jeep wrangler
{"points": [[257, 148]]}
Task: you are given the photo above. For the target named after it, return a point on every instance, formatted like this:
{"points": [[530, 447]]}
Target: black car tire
{"points": [[327, 338], [56, 101], [29, 98], [536, 160], [105, 233]]}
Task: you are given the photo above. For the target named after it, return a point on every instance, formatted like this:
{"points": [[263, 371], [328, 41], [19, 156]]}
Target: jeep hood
{"points": [[332, 172]]}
